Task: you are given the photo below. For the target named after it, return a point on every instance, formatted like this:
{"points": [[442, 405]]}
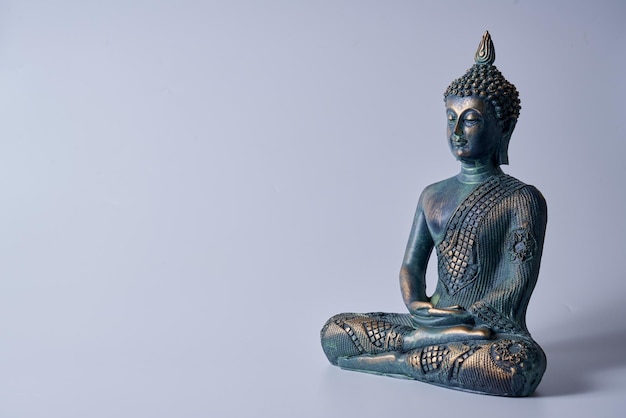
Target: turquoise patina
{"points": [[487, 229]]}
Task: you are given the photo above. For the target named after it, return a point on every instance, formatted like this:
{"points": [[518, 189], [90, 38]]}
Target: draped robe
{"points": [[488, 263]]}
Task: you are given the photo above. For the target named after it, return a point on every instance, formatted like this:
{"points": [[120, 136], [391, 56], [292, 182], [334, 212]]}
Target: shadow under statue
{"points": [[487, 229]]}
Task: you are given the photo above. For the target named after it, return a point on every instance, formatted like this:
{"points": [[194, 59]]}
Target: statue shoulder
{"points": [[530, 194], [528, 202], [434, 191]]}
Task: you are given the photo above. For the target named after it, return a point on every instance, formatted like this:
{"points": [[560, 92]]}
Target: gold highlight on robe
{"points": [[487, 229]]}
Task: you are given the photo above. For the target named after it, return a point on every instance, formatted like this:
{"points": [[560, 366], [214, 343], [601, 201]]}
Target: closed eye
{"points": [[472, 118], [471, 122]]}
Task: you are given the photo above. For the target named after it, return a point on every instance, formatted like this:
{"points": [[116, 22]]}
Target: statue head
{"points": [[484, 82]]}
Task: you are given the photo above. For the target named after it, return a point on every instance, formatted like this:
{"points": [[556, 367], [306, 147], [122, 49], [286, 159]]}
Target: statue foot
{"points": [[382, 364], [428, 336]]}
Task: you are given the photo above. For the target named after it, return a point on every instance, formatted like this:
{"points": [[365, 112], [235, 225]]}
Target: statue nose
{"points": [[458, 132]]}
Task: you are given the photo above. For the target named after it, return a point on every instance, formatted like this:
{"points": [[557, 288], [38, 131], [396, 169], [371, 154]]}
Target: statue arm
{"points": [[413, 271], [503, 308]]}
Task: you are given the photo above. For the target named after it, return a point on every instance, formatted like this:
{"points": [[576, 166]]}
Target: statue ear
{"points": [[507, 130]]}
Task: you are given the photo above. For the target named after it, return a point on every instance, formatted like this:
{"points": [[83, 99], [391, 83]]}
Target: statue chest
{"points": [[441, 206]]}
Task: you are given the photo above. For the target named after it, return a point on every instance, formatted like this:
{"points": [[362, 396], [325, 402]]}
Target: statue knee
{"points": [[339, 339], [506, 367], [521, 361]]}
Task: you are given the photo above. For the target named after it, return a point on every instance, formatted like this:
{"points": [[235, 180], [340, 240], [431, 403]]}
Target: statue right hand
{"points": [[417, 307]]}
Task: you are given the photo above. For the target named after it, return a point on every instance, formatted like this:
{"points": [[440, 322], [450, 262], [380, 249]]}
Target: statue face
{"points": [[473, 130]]}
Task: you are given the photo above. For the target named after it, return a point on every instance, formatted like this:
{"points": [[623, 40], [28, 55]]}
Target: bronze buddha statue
{"points": [[487, 229]]}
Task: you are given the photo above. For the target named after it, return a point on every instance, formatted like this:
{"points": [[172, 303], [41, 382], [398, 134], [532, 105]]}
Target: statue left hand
{"points": [[439, 317]]}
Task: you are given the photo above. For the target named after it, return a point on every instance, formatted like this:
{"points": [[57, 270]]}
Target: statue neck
{"points": [[477, 172]]}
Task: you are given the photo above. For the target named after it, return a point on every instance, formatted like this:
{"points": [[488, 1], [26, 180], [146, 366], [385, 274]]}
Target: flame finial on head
{"points": [[486, 53], [484, 80]]}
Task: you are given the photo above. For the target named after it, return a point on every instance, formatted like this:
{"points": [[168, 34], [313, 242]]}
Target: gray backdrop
{"points": [[190, 189]]}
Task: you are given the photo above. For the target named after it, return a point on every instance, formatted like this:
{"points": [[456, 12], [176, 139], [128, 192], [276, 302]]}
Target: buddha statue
{"points": [[487, 229]]}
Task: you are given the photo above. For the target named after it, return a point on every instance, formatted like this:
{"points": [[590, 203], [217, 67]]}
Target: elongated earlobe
{"points": [[507, 131]]}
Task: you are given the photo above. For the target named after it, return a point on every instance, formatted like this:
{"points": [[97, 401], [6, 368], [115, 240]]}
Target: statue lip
{"points": [[459, 143]]}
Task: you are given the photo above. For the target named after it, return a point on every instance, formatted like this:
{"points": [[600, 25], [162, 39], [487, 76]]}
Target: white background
{"points": [[190, 189]]}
